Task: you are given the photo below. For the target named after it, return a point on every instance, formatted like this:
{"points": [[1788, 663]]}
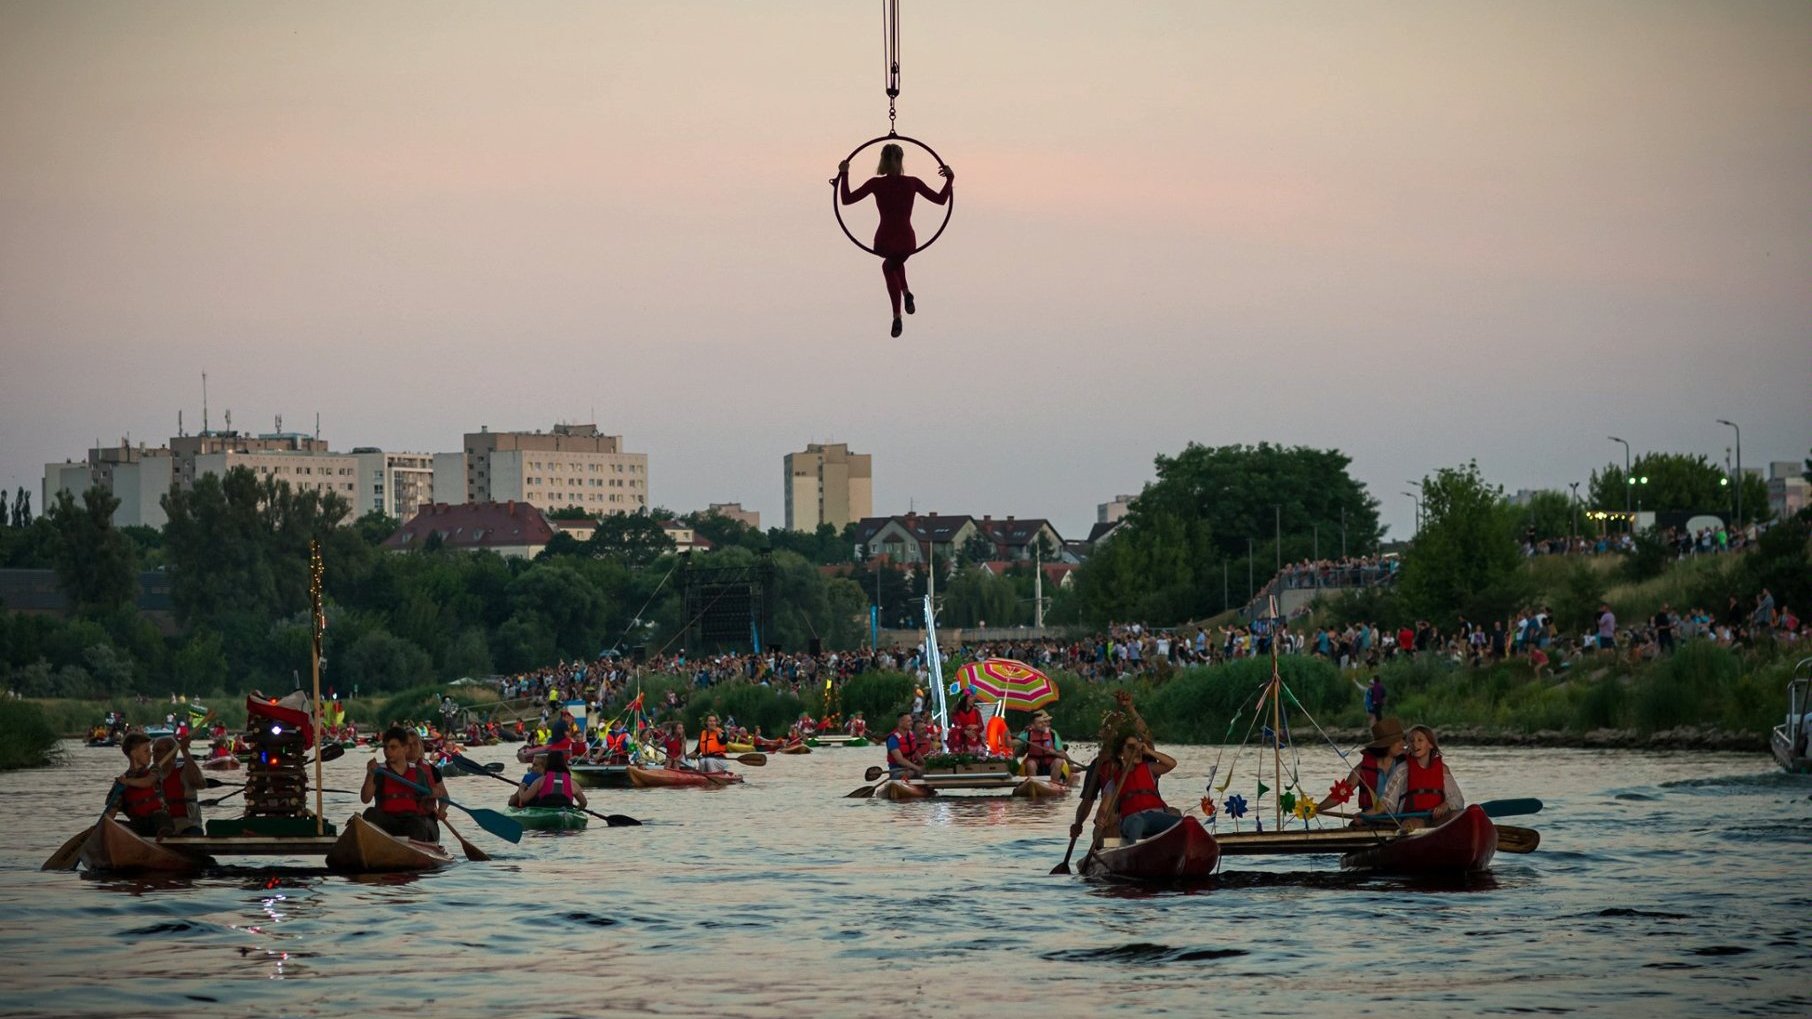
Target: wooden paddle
{"points": [[473, 853], [497, 824], [613, 820], [1511, 839], [867, 791]]}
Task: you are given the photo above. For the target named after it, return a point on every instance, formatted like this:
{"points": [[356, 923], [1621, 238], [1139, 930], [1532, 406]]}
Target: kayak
{"points": [[113, 847], [601, 776], [364, 846], [740, 748], [1183, 852], [794, 748], [550, 818], [660, 778], [1462, 844], [227, 763]]}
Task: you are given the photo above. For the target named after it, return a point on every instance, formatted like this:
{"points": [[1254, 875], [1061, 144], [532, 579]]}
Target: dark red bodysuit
{"points": [[894, 239]]}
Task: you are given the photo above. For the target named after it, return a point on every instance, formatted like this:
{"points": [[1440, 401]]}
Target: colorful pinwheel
{"points": [[1236, 806], [1207, 808], [1287, 801], [1305, 808], [1342, 791]]}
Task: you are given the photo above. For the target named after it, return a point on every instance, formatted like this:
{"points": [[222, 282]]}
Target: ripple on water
{"points": [[1142, 952]]}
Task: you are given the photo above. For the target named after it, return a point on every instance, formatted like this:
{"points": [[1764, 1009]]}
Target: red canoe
{"points": [[1185, 852], [1462, 844], [657, 778]]}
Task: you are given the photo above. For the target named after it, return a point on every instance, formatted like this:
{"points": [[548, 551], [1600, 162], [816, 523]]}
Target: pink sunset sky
{"points": [[1418, 232]]}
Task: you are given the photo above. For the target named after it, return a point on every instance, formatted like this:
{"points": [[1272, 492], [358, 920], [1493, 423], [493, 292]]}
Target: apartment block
{"points": [[827, 484]]}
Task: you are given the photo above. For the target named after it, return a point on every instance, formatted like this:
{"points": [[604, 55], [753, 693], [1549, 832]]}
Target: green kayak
{"points": [[550, 818]]}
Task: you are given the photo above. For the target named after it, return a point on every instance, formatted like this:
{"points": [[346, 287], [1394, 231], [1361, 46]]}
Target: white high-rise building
{"points": [[396, 484], [571, 465]]}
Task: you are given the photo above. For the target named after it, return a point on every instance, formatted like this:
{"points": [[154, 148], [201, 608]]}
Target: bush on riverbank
{"points": [[27, 739]]}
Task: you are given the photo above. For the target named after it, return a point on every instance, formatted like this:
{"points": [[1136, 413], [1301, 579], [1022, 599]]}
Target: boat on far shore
{"points": [[1791, 741]]}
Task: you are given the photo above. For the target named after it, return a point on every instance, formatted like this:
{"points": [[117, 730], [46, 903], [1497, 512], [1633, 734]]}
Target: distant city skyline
{"points": [[1420, 234]]}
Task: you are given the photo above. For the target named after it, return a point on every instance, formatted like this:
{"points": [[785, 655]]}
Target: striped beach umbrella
{"points": [[1016, 685]]}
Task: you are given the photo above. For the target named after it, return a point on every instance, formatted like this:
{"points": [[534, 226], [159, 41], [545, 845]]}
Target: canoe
{"points": [[113, 847], [901, 789], [228, 763], [1184, 852], [794, 748], [550, 818], [364, 846], [601, 776], [1461, 844], [1040, 788], [674, 778]]}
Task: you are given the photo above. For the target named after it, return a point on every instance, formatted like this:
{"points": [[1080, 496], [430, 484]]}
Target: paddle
{"points": [[874, 772], [1511, 839], [613, 820], [1064, 867], [1492, 808], [473, 853], [490, 820]]}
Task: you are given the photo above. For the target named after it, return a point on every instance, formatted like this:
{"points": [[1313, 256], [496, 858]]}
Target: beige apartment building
{"points": [[397, 484], [570, 465], [140, 477], [827, 484]]}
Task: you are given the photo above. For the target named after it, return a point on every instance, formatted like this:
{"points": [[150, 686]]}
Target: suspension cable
{"points": [[890, 55]]}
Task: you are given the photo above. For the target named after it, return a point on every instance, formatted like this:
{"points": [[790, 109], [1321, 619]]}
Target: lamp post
{"points": [[1418, 502], [1739, 469], [1626, 476], [1573, 515]]}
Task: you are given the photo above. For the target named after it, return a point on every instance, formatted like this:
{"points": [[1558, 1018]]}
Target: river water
{"points": [[1666, 884]]}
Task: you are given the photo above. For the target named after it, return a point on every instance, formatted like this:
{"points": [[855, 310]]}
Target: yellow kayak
{"points": [[739, 748]]}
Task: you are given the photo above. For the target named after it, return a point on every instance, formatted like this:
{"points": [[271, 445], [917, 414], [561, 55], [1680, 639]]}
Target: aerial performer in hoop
{"points": [[893, 191]]}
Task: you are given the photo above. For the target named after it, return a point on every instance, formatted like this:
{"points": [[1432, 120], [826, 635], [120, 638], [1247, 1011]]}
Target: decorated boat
{"points": [[550, 818], [674, 778], [1462, 844], [1183, 852], [114, 847], [364, 847]]}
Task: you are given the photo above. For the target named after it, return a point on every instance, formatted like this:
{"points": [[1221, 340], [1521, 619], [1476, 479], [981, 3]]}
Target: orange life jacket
{"points": [[1041, 744], [1427, 787], [1139, 791], [710, 744]]}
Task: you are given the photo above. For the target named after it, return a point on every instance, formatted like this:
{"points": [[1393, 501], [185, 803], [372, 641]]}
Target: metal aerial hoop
{"points": [[890, 45]]}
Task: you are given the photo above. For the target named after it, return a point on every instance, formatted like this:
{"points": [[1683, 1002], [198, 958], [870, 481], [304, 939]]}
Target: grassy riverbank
{"points": [[27, 739]]}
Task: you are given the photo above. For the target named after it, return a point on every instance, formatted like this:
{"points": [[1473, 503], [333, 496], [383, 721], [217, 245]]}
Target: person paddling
{"points": [[142, 800], [903, 751], [181, 778], [711, 747], [399, 809], [553, 787], [1376, 762], [1422, 783]]}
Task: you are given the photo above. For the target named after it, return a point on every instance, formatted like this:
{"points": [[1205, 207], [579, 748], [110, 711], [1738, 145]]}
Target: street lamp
{"points": [[1626, 474], [1575, 510], [1739, 469], [1418, 502]]}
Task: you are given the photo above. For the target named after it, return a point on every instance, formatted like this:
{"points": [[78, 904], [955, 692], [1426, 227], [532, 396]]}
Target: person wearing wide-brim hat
{"points": [[1376, 761], [1044, 752]]}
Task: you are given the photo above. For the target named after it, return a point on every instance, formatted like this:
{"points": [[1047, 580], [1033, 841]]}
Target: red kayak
{"points": [[1462, 844], [1184, 852], [659, 778]]}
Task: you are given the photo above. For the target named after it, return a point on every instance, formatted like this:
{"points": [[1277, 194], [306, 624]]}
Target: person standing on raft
{"points": [[894, 240]]}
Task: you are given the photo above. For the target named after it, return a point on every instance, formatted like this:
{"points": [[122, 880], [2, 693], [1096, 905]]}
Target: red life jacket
{"points": [[909, 747], [396, 798], [142, 802], [176, 797], [858, 727], [1427, 787], [1041, 744], [1139, 791], [618, 743]]}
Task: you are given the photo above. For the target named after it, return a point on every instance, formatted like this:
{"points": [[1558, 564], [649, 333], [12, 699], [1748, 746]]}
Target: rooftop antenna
{"points": [[317, 426], [279, 424], [204, 403], [179, 432], [229, 419]]}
